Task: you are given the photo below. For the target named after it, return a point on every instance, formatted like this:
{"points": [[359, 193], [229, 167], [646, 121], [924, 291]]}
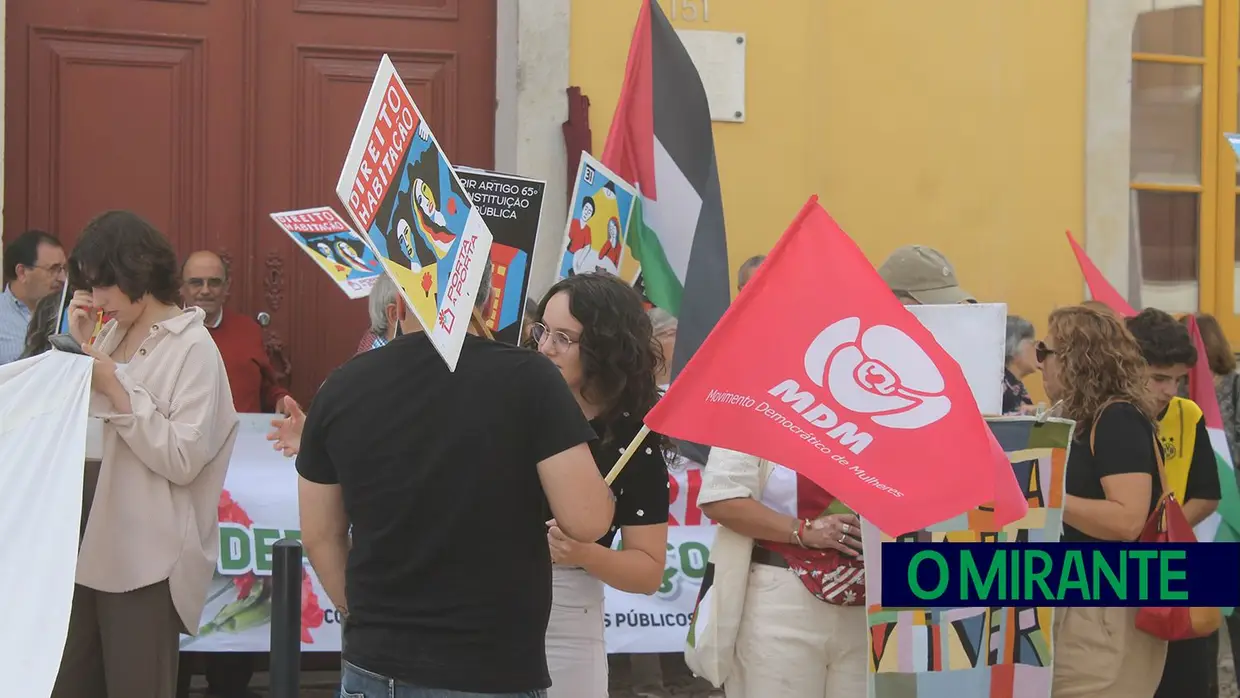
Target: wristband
{"points": [[800, 531]]}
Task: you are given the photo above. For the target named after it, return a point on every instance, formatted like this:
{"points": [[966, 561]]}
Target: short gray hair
{"points": [[382, 294], [484, 286], [385, 292], [1018, 331], [662, 321], [751, 264]]}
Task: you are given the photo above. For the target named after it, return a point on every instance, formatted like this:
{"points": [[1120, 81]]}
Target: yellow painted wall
{"points": [[954, 123]]}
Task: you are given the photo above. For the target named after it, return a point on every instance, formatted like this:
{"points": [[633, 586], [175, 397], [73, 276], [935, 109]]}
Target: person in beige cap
{"points": [[921, 275]]}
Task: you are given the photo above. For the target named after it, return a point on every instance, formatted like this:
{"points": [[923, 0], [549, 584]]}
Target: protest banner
{"points": [[259, 507], [43, 406], [511, 207], [850, 390], [972, 334], [405, 197], [332, 243], [599, 214], [997, 652]]}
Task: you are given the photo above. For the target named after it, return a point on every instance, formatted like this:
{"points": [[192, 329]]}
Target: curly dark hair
{"points": [[620, 357], [119, 248], [1163, 341], [1099, 361]]}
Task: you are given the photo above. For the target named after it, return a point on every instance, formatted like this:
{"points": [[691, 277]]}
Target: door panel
{"points": [[316, 60], [206, 115]]}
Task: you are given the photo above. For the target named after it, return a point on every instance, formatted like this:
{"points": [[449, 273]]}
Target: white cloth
{"points": [[576, 655], [43, 403], [792, 644]]}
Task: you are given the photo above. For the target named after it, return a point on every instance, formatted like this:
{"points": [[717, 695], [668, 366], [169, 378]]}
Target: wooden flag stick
{"points": [[482, 326], [628, 453]]}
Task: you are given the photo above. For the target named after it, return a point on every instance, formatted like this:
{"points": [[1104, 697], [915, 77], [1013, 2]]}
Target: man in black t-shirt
{"points": [[442, 477], [1191, 670]]}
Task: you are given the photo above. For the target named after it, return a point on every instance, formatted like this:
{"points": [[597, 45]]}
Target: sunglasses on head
{"points": [[1041, 352]]}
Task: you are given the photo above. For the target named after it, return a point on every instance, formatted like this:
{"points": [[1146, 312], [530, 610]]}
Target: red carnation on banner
{"points": [[231, 512], [1100, 289], [311, 612], [818, 367]]}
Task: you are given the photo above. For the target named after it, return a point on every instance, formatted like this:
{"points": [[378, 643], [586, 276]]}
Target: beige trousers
{"points": [[1100, 653], [792, 644], [576, 654]]}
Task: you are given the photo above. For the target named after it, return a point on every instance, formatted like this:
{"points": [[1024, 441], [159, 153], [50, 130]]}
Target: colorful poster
{"points": [[332, 243], [403, 194], [259, 507], [511, 207], [974, 652], [598, 222]]}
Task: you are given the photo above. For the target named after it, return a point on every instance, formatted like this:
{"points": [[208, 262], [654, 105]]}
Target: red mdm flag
{"points": [[1099, 288], [818, 367]]}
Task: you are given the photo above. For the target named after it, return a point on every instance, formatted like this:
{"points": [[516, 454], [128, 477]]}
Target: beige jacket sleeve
{"points": [[729, 475], [175, 441]]}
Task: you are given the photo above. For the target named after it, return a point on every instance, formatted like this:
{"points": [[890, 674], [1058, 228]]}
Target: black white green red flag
{"points": [[661, 142]]}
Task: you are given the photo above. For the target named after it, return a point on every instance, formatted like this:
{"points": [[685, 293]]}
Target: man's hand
{"points": [[286, 432]]}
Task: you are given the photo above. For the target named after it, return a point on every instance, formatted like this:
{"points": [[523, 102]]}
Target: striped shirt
{"points": [[14, 319]]}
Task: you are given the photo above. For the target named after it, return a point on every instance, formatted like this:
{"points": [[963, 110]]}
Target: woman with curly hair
{"points": [[595, 329], [1092, 368]]}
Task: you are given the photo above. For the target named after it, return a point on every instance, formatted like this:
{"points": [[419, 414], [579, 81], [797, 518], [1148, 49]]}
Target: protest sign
{"points": [[998, 652], [405, 197], [600, 210], [511, 207], [43, 404], [973, 335], [850, 390], [332, 243]]}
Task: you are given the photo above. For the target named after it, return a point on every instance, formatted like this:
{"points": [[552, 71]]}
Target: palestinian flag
{"points": [[661, 142], [1223, 525]]}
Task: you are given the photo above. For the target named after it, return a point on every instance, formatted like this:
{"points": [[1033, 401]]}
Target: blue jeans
{"points": [[356, 682]]}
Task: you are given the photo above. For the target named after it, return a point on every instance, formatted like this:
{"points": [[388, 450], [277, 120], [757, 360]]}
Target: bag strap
{"points": [[1158, 453]]}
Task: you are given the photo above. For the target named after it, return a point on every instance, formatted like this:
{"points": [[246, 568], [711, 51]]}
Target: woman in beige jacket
{"points": [[150, 527]]}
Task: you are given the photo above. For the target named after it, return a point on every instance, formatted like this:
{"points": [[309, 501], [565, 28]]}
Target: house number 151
{"points": [[691, 10]]}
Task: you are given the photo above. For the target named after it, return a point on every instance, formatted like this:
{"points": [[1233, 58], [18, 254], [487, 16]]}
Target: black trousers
{"points": [[1191, 670], [228, 673]]}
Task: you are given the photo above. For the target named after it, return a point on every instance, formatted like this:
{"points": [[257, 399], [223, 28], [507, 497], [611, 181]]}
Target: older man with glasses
{"points": [[34, 267]]}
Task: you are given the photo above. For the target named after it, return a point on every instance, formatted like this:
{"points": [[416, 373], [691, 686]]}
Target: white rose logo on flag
{"points": [[881, 373]]}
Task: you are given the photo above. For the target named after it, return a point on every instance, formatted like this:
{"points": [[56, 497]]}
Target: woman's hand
{"points": [[840, 532], [82, 317], [103, 373], [564, 550], [286, 432]]}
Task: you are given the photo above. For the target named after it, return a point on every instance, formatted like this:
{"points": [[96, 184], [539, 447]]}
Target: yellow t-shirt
{"points": [[1177, 430]]}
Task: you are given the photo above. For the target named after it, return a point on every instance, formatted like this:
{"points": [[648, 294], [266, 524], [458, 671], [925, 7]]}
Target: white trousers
{"points": [[792, 644], [576, 654]]}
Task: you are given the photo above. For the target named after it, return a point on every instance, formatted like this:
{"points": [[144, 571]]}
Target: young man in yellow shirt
{"points": [[1191, 670]]}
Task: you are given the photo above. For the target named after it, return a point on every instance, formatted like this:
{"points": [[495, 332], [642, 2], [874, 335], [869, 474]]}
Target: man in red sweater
{"points": [[204, 283]]}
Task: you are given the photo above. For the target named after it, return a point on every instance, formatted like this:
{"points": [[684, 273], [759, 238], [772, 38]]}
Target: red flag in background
{"points": [[1099, 288], [818, 367]]}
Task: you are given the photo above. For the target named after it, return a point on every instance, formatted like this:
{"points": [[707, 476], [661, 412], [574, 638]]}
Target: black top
{"points": [[1014, 393], [641, 489], [449, 573], [1124, 443]]}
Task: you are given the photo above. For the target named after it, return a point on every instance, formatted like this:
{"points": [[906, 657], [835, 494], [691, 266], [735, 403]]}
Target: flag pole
{"points": [[482, 326], [628, 453]]}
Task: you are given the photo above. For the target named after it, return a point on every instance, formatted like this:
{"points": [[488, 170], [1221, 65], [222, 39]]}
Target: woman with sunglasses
{"points": [[1093, 370], [595, 329]]}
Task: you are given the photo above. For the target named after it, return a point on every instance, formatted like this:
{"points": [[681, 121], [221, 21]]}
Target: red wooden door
{"points": [[207, 115]]}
